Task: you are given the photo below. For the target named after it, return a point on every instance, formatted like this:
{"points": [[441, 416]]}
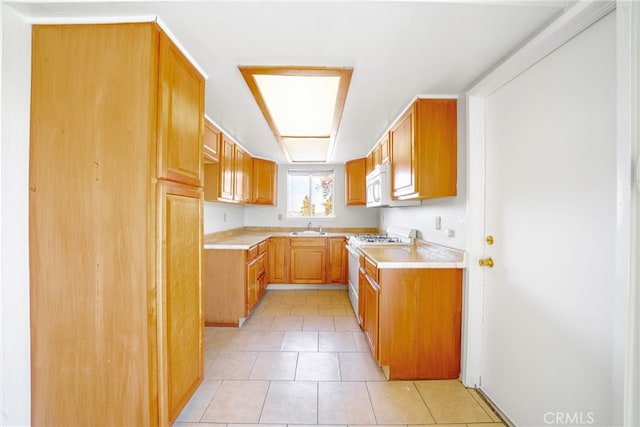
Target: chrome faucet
{"points": [[309, 226]]}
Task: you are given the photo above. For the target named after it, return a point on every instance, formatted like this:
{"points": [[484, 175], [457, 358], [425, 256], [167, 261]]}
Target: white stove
{"points": [[393, 236]]}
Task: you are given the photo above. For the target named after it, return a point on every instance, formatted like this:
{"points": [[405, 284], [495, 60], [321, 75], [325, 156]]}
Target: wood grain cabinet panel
{"points": [[239, 170], [355, 182], [235, 280], [420, 320], [181, 122], [308, 260], [181, 277], [337, 269], [423, 150], [384, 149], [116, 258], [212, 136], [227, 168], [279, 253], [224, 286], [371, 316], [265, 182]]}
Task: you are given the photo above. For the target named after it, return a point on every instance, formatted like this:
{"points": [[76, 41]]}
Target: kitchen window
{"points": [[310, 193]]}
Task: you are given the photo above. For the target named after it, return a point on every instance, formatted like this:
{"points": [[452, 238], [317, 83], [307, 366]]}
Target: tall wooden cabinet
{"points": [[115, 226]]}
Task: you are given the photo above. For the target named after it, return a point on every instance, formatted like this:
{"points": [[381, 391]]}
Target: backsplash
{"points": [[452, 214]]}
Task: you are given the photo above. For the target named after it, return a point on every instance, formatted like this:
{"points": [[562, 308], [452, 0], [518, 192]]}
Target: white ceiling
{"points": [[398, 50]]}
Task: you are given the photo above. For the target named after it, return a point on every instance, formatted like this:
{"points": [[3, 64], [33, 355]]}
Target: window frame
{"points": [[311, 173]]}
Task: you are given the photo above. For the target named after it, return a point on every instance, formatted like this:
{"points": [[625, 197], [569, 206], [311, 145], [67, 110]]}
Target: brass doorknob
{"points": [[485, 262]]}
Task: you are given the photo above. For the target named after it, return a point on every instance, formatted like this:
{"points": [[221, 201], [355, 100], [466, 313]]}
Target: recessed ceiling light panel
{"points": [[302, 105]]}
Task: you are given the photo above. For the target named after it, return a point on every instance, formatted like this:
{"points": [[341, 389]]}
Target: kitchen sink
{"points": [[308, 233]]}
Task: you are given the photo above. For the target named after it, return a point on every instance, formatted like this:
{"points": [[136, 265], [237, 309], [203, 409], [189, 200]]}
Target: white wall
{"points": [[451, 210], [346, 216], [222, 216], [14, 257]]}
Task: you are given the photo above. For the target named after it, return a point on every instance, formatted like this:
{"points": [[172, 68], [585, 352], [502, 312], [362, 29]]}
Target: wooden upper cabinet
{"points": [[180, 116], [423, 150], [240, 171], [212, 137], [226, 170], [247, 187], [383, 147], [355, 182], [369, 163], [265, 182], [375, 161]]}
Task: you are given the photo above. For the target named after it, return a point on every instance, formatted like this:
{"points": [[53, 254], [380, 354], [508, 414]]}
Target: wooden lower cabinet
{"points": [[181, 319], [235, 280], [278, 259], [420, 323], [337, 261], [371, 316], [308, 260], [412, 320]]}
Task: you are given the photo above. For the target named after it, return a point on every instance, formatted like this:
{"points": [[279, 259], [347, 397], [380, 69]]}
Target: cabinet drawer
{"points": [[262, 247], [371, 268], [252, 252], [308, 242]]}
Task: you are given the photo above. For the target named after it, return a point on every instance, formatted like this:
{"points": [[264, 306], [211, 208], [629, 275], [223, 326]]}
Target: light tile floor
{"points": [[302, 359]]}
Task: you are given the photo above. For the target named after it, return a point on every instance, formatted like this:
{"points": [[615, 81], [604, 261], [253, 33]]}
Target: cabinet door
{"points": [[368, 163], [180, 305], [252, 288], [384, 149], [370, 320], [248, 178], [403, 167], [264, 182], [239, 171], [355, 180], [180, 117], [308, 265], [279, 260], [227, 169], [338, 263], [211, 141]]}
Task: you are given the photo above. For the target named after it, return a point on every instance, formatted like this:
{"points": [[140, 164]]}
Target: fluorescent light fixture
{"points": [[302, 106]]}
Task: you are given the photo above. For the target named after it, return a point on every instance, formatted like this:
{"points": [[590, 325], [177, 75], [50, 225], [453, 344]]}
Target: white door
{"points": [[550, 206]]}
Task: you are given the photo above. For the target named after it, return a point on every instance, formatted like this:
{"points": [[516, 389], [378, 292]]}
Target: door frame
{"points": [[626, 342]]}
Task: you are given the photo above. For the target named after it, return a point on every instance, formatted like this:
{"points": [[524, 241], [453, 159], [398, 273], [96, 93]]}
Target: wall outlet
{"points": [[438, 223], [450, 232], [224, 217], [279, 217]]}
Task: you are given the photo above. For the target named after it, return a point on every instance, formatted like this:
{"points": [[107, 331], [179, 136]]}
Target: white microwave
{"points": [[379, 189]]}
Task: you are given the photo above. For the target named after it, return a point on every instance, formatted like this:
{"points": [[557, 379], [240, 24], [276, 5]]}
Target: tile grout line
{"points": [[425, 403]]}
